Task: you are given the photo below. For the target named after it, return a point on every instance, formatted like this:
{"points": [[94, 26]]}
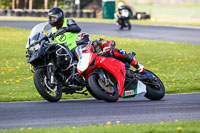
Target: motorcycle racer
{"points": [[109, 47], [102, 46], [122, 16], [56, 20], [118, 11]]}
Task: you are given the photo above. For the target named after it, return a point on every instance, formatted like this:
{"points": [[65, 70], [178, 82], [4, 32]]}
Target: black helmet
{"points": [[56, 16], [83, 38]]}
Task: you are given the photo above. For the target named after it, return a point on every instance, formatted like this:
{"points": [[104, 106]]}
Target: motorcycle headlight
{"points": [[37, 46], [34, 48]]}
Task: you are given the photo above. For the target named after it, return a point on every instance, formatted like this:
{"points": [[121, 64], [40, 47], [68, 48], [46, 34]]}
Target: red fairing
{"points": [[115, 67], [88, 71]]}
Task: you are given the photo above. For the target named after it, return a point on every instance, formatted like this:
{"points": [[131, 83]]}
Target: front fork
{"points": [[103, 77], [50, 73]]}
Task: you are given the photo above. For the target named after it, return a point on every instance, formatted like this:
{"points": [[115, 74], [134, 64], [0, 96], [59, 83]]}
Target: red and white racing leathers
{"points": [[109, 46]]}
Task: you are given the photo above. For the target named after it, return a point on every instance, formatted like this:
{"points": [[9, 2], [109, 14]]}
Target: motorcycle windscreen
{"points": [[36, 33]]}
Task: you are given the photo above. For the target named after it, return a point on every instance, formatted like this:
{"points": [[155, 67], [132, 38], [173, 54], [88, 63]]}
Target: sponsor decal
{"points": [[102, 60], [128, 93]]}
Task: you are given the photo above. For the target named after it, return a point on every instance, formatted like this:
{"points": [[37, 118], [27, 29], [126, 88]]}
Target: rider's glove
{"points": [[139, 67], [123, 52], [97, 45], [61, 31]]}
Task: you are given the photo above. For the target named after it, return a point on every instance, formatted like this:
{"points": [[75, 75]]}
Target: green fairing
{"points": [[67, 38]]}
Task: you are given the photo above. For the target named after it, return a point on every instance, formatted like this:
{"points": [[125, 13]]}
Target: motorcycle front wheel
{"points": [[92, 93], [106, 93], [51, 93]]}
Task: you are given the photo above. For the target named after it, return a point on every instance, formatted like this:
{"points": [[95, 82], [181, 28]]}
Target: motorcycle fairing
{"points": [[140, 89], [115, 67], [85, 60], [51, 49], [37, 55]]}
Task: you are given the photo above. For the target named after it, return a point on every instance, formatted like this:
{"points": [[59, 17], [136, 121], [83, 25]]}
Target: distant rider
{"points": [[122, 13]]}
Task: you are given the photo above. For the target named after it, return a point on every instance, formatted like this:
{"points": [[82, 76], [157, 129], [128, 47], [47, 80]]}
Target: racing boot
{"points": [[139, 67]]}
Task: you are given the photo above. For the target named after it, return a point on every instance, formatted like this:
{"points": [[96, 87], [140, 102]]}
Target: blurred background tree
{"points": [[41, 4], [5, 4]]}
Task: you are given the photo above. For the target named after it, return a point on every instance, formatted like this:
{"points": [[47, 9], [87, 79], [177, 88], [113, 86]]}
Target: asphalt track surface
{"points": [[90, 111], [181, 107], [162, 33]]}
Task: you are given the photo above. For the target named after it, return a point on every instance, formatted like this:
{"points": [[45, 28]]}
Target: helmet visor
{"points": [[53, 18]]}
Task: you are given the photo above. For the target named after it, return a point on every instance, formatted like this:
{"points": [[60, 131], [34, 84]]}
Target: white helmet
{"points": [[120, 5], [83, 38]]}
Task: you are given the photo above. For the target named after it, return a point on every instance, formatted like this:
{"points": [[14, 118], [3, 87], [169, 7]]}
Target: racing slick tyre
{"points": [[155, 87], [106, 93], [128, 24], [92, 93]]}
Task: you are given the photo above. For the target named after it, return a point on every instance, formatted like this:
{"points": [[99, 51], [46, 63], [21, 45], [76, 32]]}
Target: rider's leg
{"points": [[123, 56]]}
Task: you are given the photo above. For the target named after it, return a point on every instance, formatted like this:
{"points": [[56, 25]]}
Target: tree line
{"points": [[42, 4]]}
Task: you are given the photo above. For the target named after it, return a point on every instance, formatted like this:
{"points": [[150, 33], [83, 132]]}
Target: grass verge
{"points": [[177, 64], [162, 127]]}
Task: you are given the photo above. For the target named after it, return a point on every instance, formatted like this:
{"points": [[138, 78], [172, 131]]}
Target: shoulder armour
{"points": [[70, 22]]}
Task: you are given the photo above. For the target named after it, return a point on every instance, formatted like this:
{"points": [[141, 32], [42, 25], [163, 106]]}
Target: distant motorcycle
{"points": [[109, 79], [53, 65], [123, 19]]}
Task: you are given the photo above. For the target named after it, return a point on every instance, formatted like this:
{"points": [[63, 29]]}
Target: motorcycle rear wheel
{"points": [[155, 92], [40, 82], [129, 24], [101, 93]]}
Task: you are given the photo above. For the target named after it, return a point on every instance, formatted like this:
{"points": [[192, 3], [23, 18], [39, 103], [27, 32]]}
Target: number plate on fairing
{"points": [[83, 62]]}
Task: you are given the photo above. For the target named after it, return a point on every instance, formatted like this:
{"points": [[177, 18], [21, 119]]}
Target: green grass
{"points": [[177, 64], [169, 127]]}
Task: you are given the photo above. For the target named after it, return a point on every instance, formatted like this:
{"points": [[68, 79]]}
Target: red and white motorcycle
{"points": [[109, 79]]}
